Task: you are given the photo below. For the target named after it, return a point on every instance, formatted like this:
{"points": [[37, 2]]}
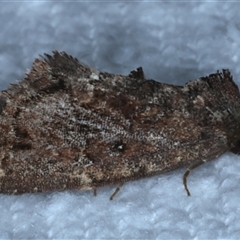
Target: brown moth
{"points": [[68, 126]]}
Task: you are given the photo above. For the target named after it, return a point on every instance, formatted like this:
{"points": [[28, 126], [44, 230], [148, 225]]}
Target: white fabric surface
{"points": [[174, 43]]}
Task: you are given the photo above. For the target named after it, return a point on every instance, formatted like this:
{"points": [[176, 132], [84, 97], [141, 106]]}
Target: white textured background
{"points": [[174, 42]]}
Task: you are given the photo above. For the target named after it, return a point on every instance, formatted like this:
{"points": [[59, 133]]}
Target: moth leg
{"points": [[190, 168], [116, 191], [94, 192]]}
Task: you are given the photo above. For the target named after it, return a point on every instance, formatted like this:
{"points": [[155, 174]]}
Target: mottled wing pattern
{"points": [[68, 126]]}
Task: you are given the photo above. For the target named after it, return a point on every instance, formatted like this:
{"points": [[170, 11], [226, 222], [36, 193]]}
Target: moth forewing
{"points": [[68, 126]]}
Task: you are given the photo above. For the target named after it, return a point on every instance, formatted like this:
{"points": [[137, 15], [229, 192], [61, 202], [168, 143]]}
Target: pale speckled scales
{"points": [[68, 126]]}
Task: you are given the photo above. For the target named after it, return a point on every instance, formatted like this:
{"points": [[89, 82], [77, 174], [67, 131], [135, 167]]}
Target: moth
{"points": [[69, 126]]}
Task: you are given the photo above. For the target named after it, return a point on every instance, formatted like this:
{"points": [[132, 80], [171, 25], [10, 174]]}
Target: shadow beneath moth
{"points": [[68, 126]]}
